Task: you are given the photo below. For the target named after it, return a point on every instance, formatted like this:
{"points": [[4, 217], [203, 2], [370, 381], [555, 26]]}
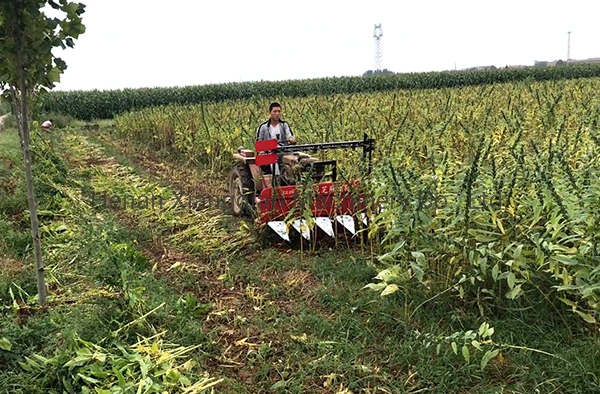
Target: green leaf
{"points": [[419, 256], [60, 63], [586, 316], [172, 375], [54, 75], [72, 8], [511, 279], [5, 344], [390, 289], [495, 272], [490, 354], [88, 379], [26, 365], [390, 256], [68, 385], [465, 352], [144, 367], [120, 376], [419, 273], [454, 347], [77, 361], [389, 274], [515, 293], [488, 333], [568, 302], [279, 385], [483, 328], [518, 252], [564, 259], [484, 236]]}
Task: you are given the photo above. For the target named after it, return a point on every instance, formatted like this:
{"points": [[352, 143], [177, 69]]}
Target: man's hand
{"points": [[293, 140]]}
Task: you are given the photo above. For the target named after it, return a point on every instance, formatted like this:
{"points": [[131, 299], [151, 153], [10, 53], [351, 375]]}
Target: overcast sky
{"points": [[146, 43]]}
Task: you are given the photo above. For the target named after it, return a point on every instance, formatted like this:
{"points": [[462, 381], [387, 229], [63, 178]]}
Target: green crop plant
{"points": [[96, 104], [497, 183]]}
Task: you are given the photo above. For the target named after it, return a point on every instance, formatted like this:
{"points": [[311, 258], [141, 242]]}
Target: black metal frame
{"points": [[368, 145]]}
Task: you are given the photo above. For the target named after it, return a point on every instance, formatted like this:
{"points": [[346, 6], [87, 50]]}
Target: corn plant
{"points": [[493, 182], [95, 104]]}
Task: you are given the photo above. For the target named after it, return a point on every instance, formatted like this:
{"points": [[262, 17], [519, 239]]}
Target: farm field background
{"points": [[487, 277], [509, 171]]}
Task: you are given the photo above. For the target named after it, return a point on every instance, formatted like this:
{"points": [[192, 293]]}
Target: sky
{"points": [[148, 43]]}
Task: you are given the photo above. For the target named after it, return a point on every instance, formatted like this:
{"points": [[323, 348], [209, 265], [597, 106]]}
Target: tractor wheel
{"points": [[287, 175], [241, 190]]}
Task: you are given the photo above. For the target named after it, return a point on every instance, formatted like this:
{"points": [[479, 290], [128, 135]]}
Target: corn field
{"points": [[493, 191], [88, 105]]}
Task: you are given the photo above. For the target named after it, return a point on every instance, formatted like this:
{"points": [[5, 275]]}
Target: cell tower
{"points": [[377, 34], [569, 46]]}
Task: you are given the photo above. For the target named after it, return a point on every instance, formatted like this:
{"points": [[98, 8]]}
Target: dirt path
{"points": [[238, 285]]}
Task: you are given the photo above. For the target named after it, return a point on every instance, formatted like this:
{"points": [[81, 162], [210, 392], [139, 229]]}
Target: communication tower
{"points": [[569, 47], [377, 34]]}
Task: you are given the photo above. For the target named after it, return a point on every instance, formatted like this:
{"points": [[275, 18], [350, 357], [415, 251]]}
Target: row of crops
{"points": [[516, 166], [88, 105]]}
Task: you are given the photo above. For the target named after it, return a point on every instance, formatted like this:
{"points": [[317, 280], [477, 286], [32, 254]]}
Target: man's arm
{"points": [[289, 134], [259, 133]]}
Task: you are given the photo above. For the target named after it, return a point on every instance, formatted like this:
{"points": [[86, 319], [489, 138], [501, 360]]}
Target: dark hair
{"points": [[273, 105]]}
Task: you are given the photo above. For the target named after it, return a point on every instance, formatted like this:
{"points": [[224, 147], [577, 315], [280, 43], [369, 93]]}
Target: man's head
{"points": [[275, 111]]}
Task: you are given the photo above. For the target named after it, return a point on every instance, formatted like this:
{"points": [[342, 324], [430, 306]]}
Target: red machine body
{"points": [[261, 181]]}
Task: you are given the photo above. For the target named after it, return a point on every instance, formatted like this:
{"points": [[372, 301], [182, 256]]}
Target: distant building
{"points": [[556, 63], [589, 60], [480, 68]]}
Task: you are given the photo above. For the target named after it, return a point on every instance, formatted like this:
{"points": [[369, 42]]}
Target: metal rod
{"points": [[325, 146], [368, 145]]}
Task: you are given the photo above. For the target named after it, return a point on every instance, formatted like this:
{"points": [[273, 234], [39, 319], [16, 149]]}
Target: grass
{"points": [[101, 290], [4, 107], [13, 192], [267, 320]]}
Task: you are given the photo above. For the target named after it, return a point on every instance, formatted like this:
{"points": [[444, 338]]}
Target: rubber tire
{"points": [[242, 173], [287, 176]]}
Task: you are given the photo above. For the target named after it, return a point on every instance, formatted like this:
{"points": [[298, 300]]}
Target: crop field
{"points": [[501, 172], [484, 276]]}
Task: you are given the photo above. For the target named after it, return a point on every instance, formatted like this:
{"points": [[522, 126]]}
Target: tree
{"points": [[28, 67], [385, 71]]}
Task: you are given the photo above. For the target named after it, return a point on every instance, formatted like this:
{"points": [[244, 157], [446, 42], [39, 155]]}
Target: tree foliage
{"points": [[28, 66], [27, 31], [385, 71]]}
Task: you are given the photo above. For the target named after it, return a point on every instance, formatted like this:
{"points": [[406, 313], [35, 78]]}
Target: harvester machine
{"points": [[297, 196]]}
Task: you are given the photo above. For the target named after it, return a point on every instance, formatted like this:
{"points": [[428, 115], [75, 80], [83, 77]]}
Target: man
{"points": [[275, 127], [47, 125]]}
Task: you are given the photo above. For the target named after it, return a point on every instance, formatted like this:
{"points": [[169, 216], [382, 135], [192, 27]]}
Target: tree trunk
{"points": [[23, 119]]}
